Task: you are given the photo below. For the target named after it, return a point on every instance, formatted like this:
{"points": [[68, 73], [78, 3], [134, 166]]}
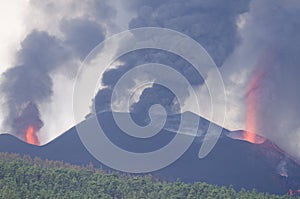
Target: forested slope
{"points": [[23, 177]]}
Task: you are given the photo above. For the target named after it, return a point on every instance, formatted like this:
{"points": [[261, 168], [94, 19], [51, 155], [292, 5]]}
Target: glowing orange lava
{"points": [[31, 136], [250, 134], [264, 63], [253, 138], [251, 100]]}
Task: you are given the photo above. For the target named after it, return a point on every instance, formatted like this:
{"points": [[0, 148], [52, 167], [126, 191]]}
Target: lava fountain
{"points": [[251, 99], [31, 136], [27, 123]]}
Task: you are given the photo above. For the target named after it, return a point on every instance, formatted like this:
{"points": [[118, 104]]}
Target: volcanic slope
{"points": [[231, 162]]}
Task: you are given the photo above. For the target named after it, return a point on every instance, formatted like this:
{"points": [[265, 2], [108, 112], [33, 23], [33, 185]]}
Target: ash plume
{"points": [[53, 47], [270, 44], [211, 23], [29, 116], [29, 83]]}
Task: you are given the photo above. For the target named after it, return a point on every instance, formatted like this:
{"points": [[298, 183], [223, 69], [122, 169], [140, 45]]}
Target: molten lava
{"points": [[244, 135], [31, 136], [251, 108], [253, 138], [263, 65]]}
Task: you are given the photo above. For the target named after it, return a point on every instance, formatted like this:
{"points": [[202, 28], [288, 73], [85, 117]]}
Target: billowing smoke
{"points": [[82, 35], [247, 41], [52, 48], [29, 83], [153, 94], [278, 96], [269, 51], [211, 23]]}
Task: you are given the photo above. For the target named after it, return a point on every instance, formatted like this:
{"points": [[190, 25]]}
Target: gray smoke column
{"points": [[54, 47], [270, 45], [29, 84], [211, 23]]}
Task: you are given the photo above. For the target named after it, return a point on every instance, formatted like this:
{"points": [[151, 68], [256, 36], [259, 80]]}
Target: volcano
{"points": [[233, 161]]}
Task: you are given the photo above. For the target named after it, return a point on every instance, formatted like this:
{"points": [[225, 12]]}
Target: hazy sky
{"points": [[12, 29]]}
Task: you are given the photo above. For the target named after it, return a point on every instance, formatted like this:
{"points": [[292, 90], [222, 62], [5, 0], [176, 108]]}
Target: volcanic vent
{"points": [[28, 123]]}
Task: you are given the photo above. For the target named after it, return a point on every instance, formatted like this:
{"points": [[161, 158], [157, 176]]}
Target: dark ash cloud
{"points": [[30, 81], [82, 35], [211, 23], [64, 33]]}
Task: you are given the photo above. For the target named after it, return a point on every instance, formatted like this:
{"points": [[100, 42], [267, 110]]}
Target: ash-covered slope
{"points": [[231, 162]]}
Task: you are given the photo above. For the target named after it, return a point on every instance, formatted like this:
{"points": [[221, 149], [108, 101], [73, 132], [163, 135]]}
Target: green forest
{"points": [[24, 177]]}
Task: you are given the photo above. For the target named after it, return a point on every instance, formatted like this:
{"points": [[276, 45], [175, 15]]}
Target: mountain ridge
{"points": [[231, 162]]}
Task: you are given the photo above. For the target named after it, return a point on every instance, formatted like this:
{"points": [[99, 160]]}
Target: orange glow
{"points": [[253, 138], [264, 63], [251, 100], [31, 137], [246, 136]]}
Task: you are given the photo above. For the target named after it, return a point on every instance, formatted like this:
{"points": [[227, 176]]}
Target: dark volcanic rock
{"points": [[231, 162]]}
